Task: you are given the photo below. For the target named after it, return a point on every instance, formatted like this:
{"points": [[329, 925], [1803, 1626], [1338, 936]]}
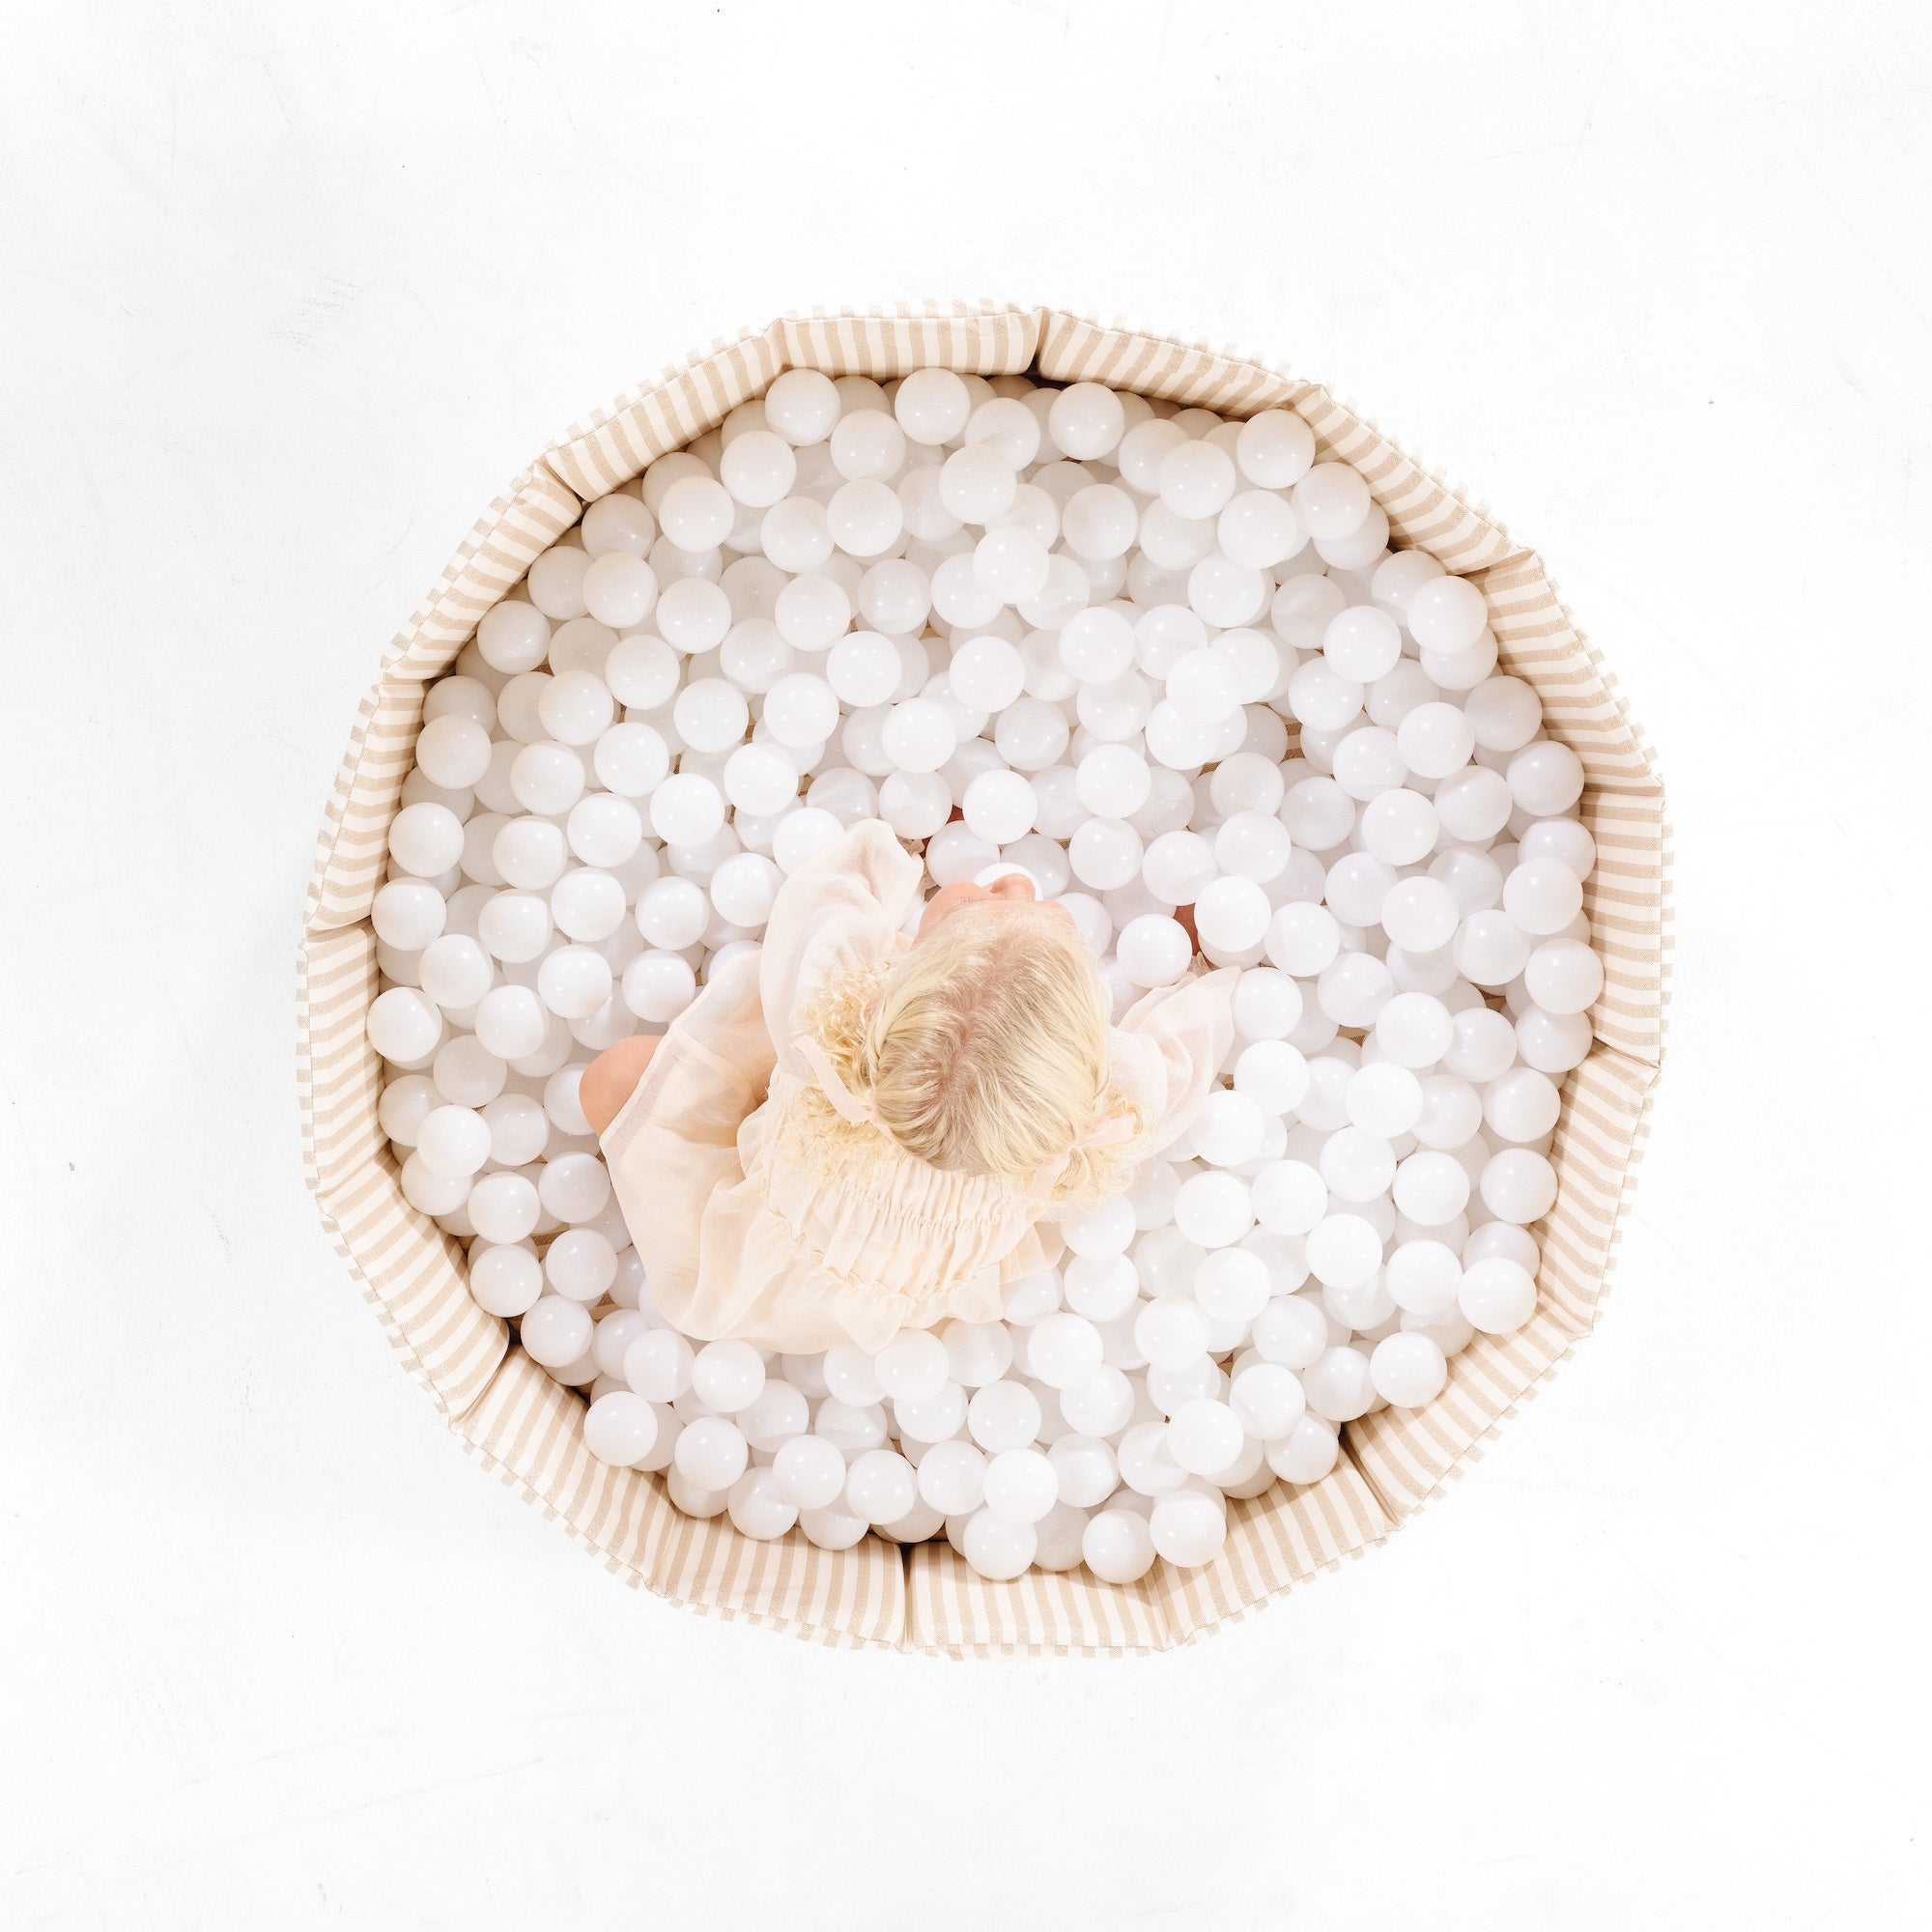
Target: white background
{"points": [[289, 292]]}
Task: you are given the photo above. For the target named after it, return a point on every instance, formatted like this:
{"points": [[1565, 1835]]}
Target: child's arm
{"points": [[1173, 1042], [612, 1078]]}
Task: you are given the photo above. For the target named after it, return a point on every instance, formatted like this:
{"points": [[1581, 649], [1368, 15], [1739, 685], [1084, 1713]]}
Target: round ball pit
{"points": [[525, 1427]]}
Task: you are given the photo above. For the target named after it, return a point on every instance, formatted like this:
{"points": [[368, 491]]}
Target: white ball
{"points": [[996, 1548], [620, 1428], [1407, 1370], [1188, 1529], [1212, 1209], [1497, 1296], [1113, 781], [810, 1472], [1231, 913], [919, 735], [1153, 949], [953, 1477], [1229, 1128], [1065, 1350], [1118, 1545], [999, 806], [728, 1375], [1021, 1485]]}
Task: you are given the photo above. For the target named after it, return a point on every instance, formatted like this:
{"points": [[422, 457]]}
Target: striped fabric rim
{"points": [[523, 1426]]}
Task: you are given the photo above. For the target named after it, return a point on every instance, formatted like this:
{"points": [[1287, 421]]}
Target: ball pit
{"points": [[1100, 669]]}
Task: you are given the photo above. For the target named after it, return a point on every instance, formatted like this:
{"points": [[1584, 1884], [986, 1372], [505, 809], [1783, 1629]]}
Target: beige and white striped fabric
{"points": [[524, 1427]]}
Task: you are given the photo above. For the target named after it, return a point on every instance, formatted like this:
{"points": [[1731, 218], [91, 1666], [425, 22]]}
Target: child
{"points": [[850, 1132]]}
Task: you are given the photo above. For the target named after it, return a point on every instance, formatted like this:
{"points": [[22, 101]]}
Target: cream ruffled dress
{"points": [[739, 1242]]}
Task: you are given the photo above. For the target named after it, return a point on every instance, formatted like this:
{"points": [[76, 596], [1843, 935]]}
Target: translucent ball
{"points": [[453, 1141], [810, 1472], [1274, 449], [1118, 1545], [758, 1507], [1197, 480], [1435, 740], [1065, 1350], [933, 406], [1228, 1129], [1344, 1250], [1267, 1003], [1153, 949], [728, 1375], [1307, 1453], [408, 914], [758, 468], [1362, 644], [1447, 614], [506, 1281], [802, 405], [999, 806], [1113, 781], [952, 1479], [1105, 853], [453, 752], [556, 1331], [801, 710], [1085, 421], [1231, 913], [619, 590], [912, 1367], [1302, 940], [711, 1453], [403, 1026], [1231, 1286], [1563, 976], [620, 1428], [687, 809], [1337, 1385], [425, 839], [657, 986], [1267, 1400], [1543, 896], [1271, 1074], [881, 1486], [1519, 1184], [1170, 1333], [1545, 778], [697, 513], [996, 1548], [1188, 1529], [1420, 914], [976, 484], [1497, 1296], [1202, 688], [1407, 1370], [1003, 1416], [1214, 1210], [574, 981], [919, 734], [1021, 1485], [743, 887], [1100, 1406]]}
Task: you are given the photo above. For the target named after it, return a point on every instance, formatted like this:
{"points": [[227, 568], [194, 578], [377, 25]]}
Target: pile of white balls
{"points": [[1092, 622]]}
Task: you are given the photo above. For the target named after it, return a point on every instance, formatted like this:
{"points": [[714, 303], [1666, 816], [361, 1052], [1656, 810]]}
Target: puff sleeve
{"points": [[842, 908], [1169, 1044]]}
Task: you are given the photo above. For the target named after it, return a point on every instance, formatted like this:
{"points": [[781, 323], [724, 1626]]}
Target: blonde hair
{"points": [[983, 1051]]}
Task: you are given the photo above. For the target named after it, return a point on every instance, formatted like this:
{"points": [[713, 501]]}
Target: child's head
{"points": [[984, 1050]]}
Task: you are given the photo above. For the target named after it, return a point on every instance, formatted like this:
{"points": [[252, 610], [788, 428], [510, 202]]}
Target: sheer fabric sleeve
{"points": [[1169, 1044], [842, 909]]}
